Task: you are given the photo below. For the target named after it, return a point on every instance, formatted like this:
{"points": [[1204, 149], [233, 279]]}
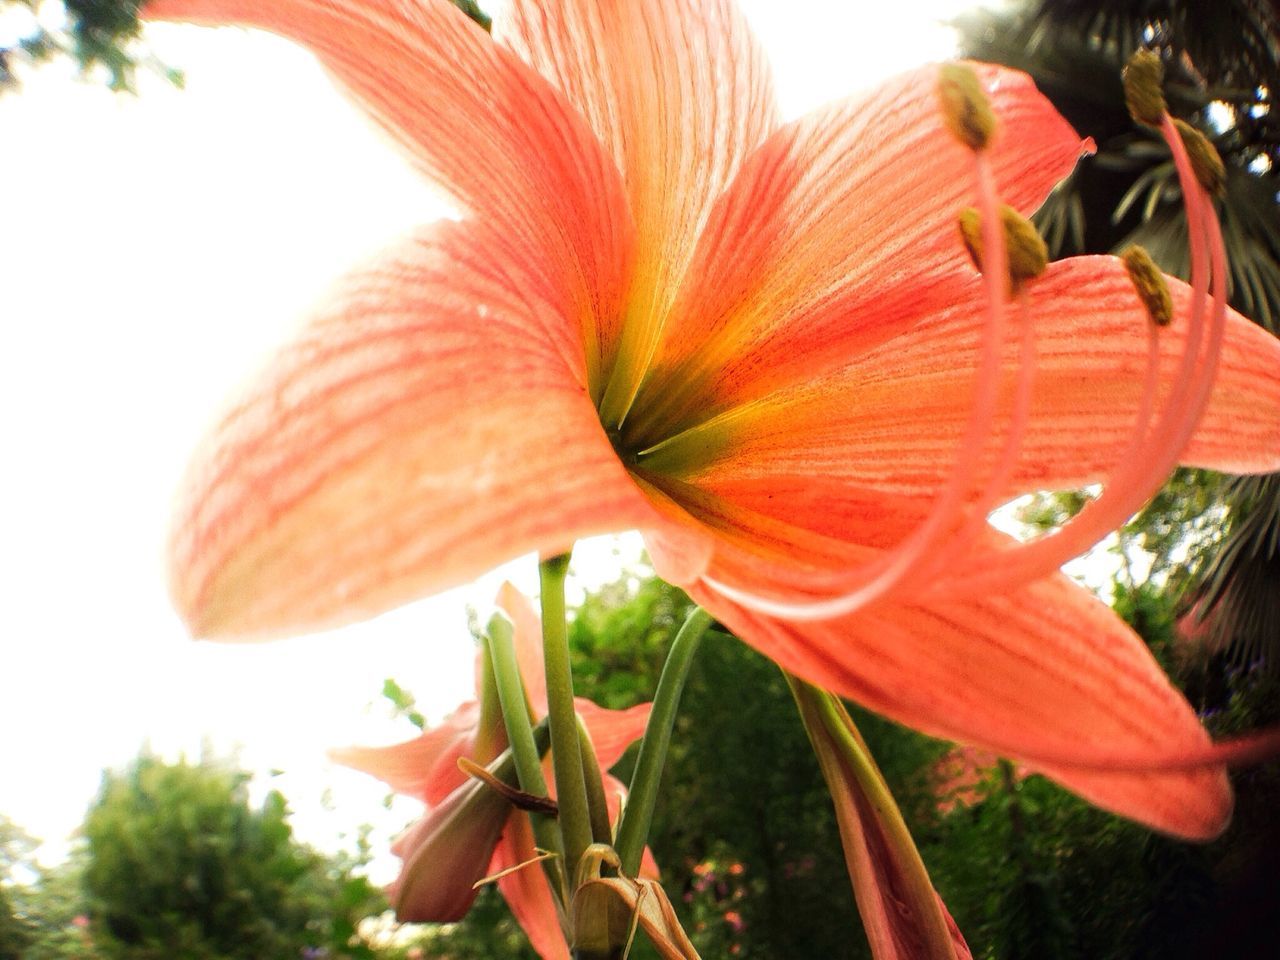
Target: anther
{"points": [[1205, 160], [1143, 88], [1028, 255], [965, 107], [1149, 281]]}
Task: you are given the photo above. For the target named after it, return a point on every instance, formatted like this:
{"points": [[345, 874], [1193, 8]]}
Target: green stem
{"points": [[637, 816], [597, 805], [528, 758], [566, 758]]}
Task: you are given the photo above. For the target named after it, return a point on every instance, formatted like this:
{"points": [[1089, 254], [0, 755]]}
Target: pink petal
{"points": [[834, 237], [527, 891], [1044, 671], [678, 91], [424, 767], [485, 127], [422, 430]]}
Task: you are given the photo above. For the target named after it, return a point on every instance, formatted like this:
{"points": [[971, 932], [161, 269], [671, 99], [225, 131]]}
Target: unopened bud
{"points": [[1144, 88], [1205, 161], [965, 107], [1150, 284], [1027, 253]]}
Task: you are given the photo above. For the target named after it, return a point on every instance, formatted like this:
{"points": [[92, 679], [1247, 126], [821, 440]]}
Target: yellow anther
{"points": [[1144, 88], [1028, 255], [1205, 161], [965, 107], [1150, 284]]}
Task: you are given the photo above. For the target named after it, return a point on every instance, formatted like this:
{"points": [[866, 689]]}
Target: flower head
{"points": [[758, 343], [468, 831]]}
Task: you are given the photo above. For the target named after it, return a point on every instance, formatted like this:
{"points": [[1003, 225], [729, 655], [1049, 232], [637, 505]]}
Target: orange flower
{"points": [[469, 831], [756, 343]]}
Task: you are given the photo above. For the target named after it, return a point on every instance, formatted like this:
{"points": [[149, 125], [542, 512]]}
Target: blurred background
{"points": [[174, 198]]}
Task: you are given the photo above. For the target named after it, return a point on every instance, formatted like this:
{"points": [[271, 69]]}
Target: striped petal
{"points": [[680, 93], [486, 128], [421, 431], [1044, 674], [891, 421], [835, 235]]}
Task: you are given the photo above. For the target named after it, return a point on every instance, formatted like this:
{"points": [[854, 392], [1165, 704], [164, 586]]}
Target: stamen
{"points": [[1028, 254], [1150, 284], [1144, 465], [1143, 88], [965, 107], [1205, 159]]}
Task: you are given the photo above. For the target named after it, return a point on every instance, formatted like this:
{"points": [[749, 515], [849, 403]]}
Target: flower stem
{"points": [[566, 758], [633, 829], [528, 758]]}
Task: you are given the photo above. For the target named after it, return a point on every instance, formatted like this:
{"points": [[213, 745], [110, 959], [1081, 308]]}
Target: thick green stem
{"points": [[566, 758], [528, 758], [633, 829]]}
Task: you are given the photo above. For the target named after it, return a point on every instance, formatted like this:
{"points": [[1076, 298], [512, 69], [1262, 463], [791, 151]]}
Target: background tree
{"points": [[179, 864], [100, 35]]}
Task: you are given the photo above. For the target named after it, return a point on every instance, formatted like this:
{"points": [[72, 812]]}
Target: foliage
{"points": [[101, 36], [94, 33], [180, 864]]}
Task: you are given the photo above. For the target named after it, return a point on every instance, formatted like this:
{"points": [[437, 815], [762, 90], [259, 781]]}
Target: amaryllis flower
{"points": [[758, 343], [468, 831]]}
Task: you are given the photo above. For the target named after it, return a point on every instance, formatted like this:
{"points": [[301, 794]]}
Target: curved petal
{"points": [[420, 431], [891, 421], [834, 236], [484, 126], [679, 92], [527, 891], [415, 767], [1045, 671], [612, 731]]}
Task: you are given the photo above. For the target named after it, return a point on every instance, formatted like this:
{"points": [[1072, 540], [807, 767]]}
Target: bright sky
{"points": [[154, 249]]}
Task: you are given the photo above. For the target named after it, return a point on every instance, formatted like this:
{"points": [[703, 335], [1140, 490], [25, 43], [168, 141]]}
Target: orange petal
{"points": [[482, 124], [612, 731], [526, 891], [833, 237], [679, 92], [425, 767], [422, 430], [892, 419], [1047, 670]]}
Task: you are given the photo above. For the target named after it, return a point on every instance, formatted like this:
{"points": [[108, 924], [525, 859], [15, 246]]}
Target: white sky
{"points": [[152, 251]]}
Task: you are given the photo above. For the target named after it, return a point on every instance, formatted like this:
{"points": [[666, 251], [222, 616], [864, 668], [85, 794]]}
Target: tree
{"points": [[179, 864]]}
